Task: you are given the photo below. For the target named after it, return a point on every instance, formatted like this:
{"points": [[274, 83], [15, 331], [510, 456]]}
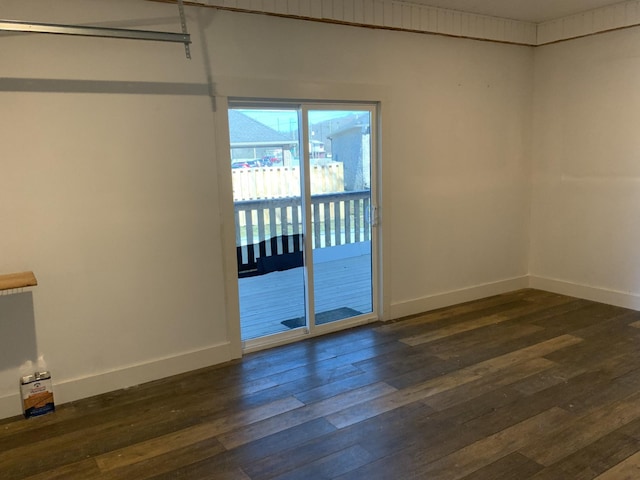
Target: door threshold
{"points": [[302, 333]]}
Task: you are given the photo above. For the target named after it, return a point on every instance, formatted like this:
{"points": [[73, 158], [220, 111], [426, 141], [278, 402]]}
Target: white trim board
{"points": [[410, 17], [454, 297], [562, 287], [389, 15], [75, 389], [587, 292]]}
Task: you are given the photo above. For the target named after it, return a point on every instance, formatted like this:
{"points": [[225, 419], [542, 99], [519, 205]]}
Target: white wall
{"points": [[109, 181], [586, 171], [460, 166]]}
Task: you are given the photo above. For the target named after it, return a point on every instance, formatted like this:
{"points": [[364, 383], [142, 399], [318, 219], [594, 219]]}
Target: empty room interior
{"points": [[480, 317]]}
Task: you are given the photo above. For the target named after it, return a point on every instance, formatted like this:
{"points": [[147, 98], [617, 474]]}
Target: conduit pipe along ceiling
{"points": [[104, 32]]}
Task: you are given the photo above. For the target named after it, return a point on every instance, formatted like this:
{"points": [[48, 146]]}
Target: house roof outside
{"points": [[353, 123], [245, 131]]}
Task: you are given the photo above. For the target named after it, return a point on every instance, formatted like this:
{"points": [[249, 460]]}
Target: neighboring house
{"points": [[251, 139], [350, 145]]}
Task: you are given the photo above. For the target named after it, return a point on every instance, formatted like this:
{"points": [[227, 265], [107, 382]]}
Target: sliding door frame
{"points": [[372, 108], [233, 89]]}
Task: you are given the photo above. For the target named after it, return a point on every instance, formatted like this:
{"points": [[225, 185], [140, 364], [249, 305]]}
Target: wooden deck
{"points": [[526, 385], [267, 300]]}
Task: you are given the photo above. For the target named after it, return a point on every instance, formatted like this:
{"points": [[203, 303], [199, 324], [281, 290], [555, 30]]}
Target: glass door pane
{"points": [[340, 146], [268, 203]]}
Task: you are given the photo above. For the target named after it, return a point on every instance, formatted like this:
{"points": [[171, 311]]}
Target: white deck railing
{"points": [[336, 219]]}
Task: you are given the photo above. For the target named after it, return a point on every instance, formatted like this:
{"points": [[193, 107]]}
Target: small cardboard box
{"points": [[37, 394]]}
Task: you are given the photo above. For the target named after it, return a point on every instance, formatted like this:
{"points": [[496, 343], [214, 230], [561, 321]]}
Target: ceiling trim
{"points": [[606, 19], [417, 18]]}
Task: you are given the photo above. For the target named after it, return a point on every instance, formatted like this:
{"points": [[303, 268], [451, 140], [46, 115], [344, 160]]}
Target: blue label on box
{"points": [[37, 411]]}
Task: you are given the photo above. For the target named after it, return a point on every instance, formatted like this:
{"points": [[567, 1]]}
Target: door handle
{"points": [[374, 217]]}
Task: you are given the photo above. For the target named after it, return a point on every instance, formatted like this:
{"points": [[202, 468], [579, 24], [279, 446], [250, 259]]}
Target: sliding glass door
{"points": [[341, 212], [304, 216]]}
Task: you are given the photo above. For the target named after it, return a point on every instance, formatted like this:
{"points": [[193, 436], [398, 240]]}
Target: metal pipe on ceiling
{"points": [[91, 31], [88, 31]]}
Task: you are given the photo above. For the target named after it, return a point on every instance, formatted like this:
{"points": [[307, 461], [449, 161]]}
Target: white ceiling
{"points": [[535, 11]]}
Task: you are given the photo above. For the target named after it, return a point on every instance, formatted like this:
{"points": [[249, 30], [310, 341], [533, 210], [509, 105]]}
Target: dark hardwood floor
{"points": [[523, 385]]}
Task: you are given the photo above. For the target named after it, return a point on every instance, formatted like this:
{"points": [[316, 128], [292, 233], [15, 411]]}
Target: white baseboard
{"points": [[75, 389], [431, 302], [596, 294], [10, 406]]}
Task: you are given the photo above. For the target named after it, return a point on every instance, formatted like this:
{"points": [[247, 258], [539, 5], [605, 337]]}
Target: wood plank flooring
{"points": [[526, 385]]}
